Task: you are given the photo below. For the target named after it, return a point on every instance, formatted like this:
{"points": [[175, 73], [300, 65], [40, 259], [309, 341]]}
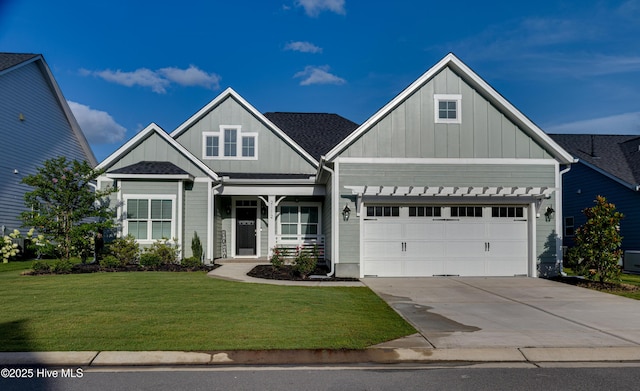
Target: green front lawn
{"points": [[629, 285], [184, 311]]}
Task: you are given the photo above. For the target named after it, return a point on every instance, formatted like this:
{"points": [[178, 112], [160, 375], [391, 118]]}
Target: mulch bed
{"points": [[286, 272], [597, 285]]}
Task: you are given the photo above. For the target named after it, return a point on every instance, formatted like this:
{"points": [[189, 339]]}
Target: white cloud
{"points": [[318, 75], [98, 126], [143, 77], [192, 76], [313, 8], [627, 123], [161, 79], [304, 47]]}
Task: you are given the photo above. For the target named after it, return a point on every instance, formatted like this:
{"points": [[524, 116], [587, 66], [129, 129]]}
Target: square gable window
{"points": [[230, 143], [447, 108]]}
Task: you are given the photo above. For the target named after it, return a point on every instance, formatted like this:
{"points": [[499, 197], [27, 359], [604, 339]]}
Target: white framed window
{"points": [[230, 142], [150, 218], [448, 108], [299, 220], [569, 226]]}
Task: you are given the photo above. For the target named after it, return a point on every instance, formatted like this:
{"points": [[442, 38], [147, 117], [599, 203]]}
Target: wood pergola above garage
{"points": [[452, 191]]}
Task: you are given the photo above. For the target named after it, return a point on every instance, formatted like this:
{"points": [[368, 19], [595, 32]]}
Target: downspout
{"points": [[561, 214], [211, 223], [332, 269]]}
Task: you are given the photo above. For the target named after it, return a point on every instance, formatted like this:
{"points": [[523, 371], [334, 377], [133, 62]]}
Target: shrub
{"points": [[110, 262], [191, 262], [125, 250], [164, 250], [598, 241], [277, 258], [305, 261], [40, 267], [8, 249], [196, 246], [150, 259], [61, 266]]}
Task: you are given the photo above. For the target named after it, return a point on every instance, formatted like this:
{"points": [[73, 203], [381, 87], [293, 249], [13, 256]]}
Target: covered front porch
{"points": [[252, 219]]}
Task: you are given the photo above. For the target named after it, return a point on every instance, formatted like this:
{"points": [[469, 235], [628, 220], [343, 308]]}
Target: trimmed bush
{"points": [[150, 259], [125, 250], [40, 267], [110, 262], [191, 262], [61, 266]]}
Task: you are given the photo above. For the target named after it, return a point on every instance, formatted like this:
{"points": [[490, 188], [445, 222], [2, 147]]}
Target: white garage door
{"points": [[445, 240]]}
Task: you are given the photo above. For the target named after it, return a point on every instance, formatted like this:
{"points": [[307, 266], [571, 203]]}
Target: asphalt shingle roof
{"points": [[618, 155], [316, 133], [8, 60], [152, 168]]}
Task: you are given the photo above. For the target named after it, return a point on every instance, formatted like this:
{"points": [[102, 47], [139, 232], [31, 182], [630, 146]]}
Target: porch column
{"points": [[271, 223]]}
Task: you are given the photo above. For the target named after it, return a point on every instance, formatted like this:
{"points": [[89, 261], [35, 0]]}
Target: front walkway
{"points": [[236, 270]]}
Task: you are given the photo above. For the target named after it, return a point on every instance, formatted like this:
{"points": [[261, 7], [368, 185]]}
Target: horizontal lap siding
{"points": [[45, 133], [195, 215], [592, 184], [368, 174]]}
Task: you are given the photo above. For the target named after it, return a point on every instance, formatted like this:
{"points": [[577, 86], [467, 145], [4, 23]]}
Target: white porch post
{"points": [[271, 223], [272, 203]]}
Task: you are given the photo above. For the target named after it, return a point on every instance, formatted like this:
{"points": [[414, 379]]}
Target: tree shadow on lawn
{"points": [[15, 337]]}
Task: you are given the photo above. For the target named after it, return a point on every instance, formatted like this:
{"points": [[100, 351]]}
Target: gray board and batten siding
{"points": [[155, 148], [274, 155], [410, 131], [35, 128]]}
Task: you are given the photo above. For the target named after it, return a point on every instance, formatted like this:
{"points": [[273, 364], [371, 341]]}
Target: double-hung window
{"points": [[230, 142], [299, 221], [150, 218], [447, 108]]}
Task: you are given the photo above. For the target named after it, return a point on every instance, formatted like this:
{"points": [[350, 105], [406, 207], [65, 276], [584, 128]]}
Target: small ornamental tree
{"points": [[64, 207], [598, 241]]}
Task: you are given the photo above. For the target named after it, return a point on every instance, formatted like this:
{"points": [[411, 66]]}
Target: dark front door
{"points": [[246, 231]]}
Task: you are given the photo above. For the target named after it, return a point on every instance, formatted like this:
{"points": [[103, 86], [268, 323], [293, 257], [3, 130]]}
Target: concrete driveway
{"points": [[518, 312]]}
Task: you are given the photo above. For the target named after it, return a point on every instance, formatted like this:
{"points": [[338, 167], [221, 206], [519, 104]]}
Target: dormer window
{"points": [[230, 142], [447, 108]]}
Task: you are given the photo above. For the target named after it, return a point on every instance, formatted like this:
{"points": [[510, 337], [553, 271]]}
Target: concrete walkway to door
{"points": [[511, 312]]}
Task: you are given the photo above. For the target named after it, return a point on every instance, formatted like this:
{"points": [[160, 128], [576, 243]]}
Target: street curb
{"points": [[321, 356]]}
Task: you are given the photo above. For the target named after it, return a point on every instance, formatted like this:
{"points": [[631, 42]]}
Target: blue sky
{"points": [[570, 66]]}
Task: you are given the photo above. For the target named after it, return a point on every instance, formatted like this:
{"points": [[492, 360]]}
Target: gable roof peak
{"points": [[478, 84]]}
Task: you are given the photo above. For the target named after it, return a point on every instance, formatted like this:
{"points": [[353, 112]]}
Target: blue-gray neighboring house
{"points": [[36, 124], [607, 165], [448, 178]]}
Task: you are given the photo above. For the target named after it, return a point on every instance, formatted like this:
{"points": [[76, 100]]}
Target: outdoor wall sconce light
{"points": [[228, 210], [346, 212], [548, 213]]}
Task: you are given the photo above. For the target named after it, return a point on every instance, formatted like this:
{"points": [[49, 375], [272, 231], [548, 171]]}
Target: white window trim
{"points": [[437, 98], [150, 197], [299, 204], [573, 227], [239, 137]]}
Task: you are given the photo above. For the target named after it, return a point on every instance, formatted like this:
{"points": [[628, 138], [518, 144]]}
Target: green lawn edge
{"points": [[184, 311]]}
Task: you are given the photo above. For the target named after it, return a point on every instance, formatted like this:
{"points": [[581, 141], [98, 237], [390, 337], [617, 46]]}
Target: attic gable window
{"points": [[447, 108], [230, 142]]}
